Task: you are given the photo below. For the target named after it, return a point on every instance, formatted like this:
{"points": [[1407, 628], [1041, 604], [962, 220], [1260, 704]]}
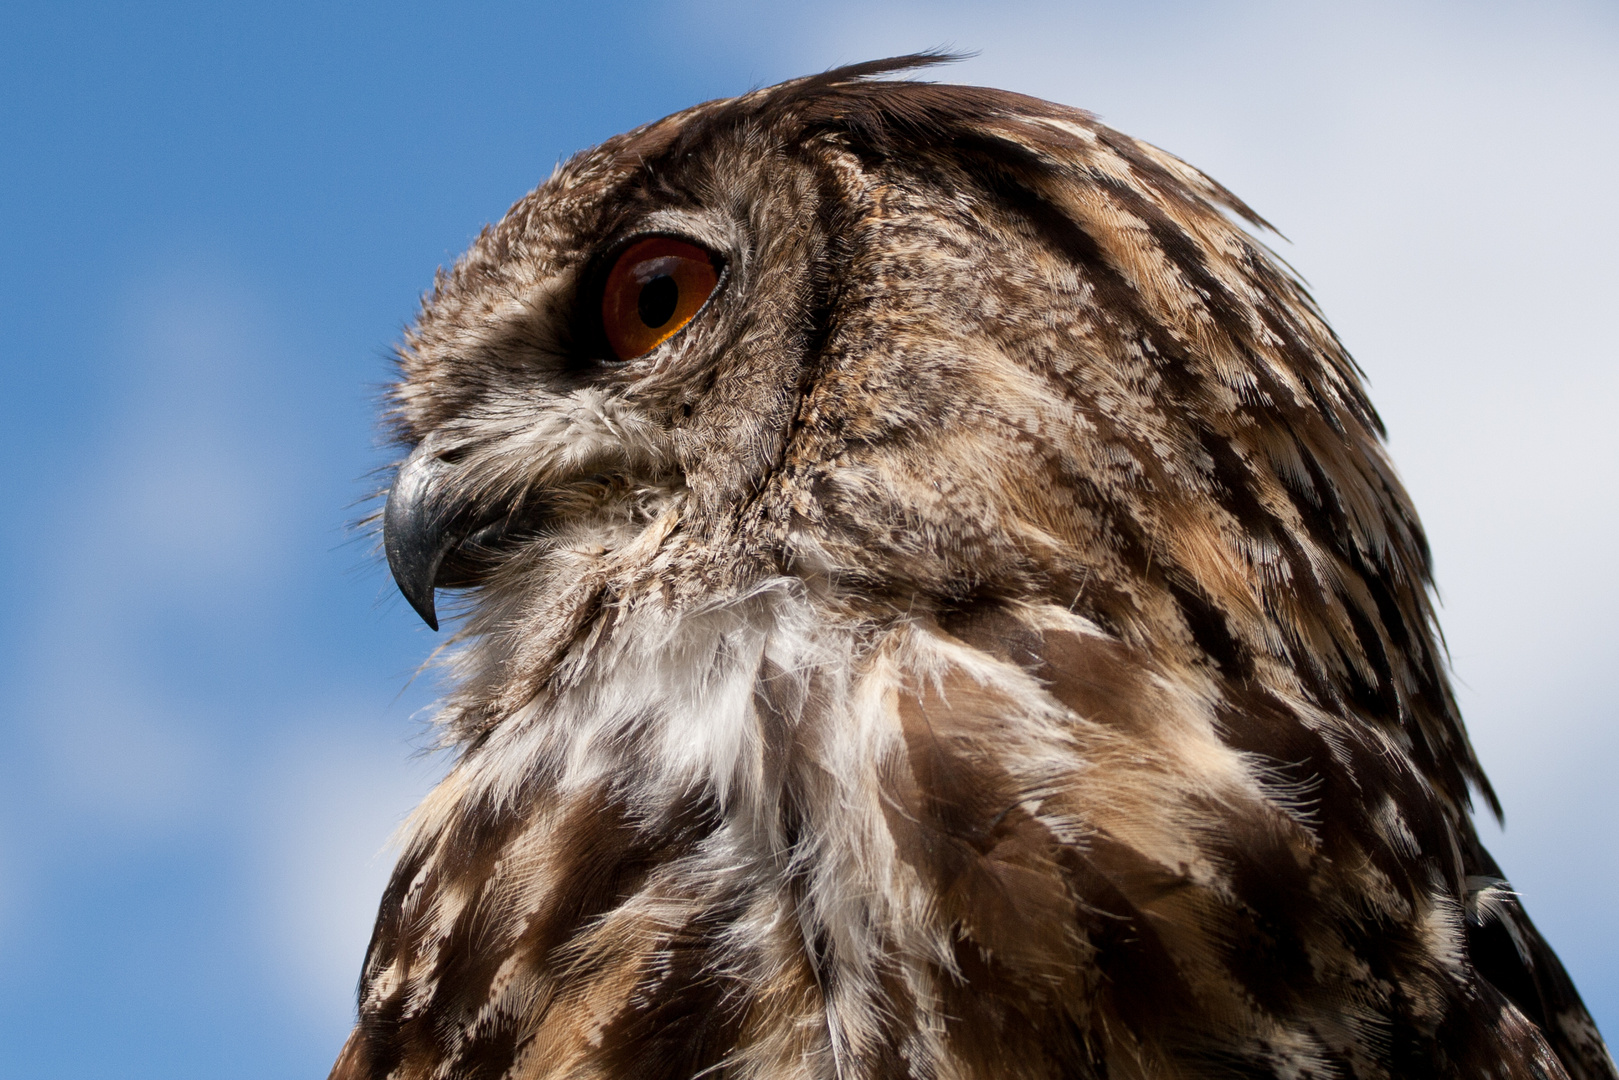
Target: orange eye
{"points": [[654, 289]]}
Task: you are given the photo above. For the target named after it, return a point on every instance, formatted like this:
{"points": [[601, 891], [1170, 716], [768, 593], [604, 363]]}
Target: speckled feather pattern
{"points": [[990, 641]]}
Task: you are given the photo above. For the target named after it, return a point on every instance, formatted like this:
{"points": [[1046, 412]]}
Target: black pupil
{"points": [[656, 304]]}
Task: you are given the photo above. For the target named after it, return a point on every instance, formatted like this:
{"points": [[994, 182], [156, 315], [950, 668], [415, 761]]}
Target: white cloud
{"points": [[132, 766], [175, 527]]}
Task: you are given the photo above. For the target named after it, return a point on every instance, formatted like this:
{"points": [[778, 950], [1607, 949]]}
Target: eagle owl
{"points": [[936, 604]]}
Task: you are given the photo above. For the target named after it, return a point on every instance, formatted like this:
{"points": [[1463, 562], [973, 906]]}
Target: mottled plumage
{"points": [[988, 640]]}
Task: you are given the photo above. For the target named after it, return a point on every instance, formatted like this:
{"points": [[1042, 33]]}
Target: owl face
{"points": [[624, 342]]}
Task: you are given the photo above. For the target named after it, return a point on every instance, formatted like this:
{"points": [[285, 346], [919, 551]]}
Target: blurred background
{"points": [[215, 220]]}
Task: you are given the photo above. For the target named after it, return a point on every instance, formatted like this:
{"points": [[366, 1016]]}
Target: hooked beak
{"points": [[437, 536], [417, 530]]}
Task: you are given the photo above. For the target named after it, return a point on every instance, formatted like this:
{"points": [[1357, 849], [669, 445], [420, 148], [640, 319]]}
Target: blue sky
{"points": [[215, 219]]}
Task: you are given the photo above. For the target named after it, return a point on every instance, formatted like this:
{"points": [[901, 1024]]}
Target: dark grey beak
{"points": [[418, 530], [438, 537]]}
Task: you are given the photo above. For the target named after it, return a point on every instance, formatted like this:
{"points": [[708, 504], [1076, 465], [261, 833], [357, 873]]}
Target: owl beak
{"points": [[418, 530], [437, 536]]}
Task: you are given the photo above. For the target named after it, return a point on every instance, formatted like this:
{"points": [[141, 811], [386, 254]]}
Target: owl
{"points": [[933, 602]]}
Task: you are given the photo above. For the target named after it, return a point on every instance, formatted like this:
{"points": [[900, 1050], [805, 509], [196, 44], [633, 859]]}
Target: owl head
{"points": [[913, 346]]}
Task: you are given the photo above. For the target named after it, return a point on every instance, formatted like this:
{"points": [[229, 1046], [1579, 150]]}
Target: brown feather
{"points": [[989, 640]]}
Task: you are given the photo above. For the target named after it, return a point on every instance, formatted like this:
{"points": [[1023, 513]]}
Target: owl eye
{"points": [[654, 288]]}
